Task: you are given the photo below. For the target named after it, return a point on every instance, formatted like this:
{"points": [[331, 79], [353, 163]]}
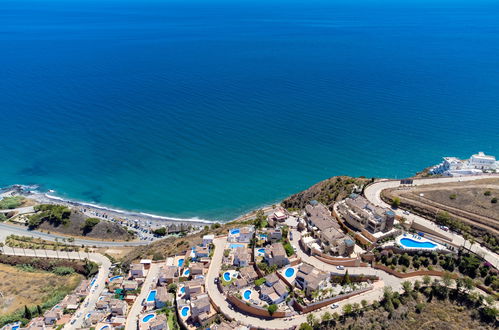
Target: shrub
{"points": [[272, 309], [396, 202], [487, 193], [452, 196], [90, 223], [159, 231], [62, 271], [493, 200], [11, 202]]}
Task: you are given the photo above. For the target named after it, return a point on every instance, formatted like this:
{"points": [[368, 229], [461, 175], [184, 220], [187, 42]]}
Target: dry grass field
{"points": [[438, 315], [19, 287]]}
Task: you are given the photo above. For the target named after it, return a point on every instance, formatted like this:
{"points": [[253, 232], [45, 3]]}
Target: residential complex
{"points": [[477, 164]]}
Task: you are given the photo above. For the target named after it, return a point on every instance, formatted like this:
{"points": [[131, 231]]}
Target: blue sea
{"points": [[209, 109]]}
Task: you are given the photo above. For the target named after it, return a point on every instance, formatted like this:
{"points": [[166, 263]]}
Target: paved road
{"points": [[219, 299], [19, 210], [373, 194], [152, 276], [96, 290], [7, 229]]}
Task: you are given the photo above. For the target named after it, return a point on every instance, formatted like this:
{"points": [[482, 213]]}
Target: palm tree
{"points": [[407, 286], [326, 317]]}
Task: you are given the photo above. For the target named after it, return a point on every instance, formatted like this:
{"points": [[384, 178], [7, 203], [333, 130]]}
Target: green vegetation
{"points": [[259, 281], [264, 267], [395, 202], [487, 193], [55, 214], [272, 309], [32, 243], [260, 220], [63, 271], [90, 223], [289, 249], [493, 200], [159, 231], [11, 202], [452, 196]]}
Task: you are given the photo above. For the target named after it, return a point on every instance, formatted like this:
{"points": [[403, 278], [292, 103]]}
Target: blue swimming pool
{"points": [[263, 235], [148, 318], [180, 262], [182, 290], [104, 327], [152, 295], [115, 278], [247, 294], [235, 245], [235, 231], [184, 311], [410, 243], [262, 250], [187, 272], [15, 327], [227, 276], [289, 272]]}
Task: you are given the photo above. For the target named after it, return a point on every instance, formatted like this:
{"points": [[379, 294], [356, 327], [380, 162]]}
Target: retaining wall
{"points": [[320, 304]]}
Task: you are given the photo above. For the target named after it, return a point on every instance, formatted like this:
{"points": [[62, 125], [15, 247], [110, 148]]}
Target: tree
{"points": [[272, 309], [305, 326], [395, 202], [39, 310], [326, 317], [172, 288], [90, 223], [347, 309], [346, 279], [27, 313], [426, 280], [159, 231], [468, 283], [407, 286], [364, 303], [311, 319]]}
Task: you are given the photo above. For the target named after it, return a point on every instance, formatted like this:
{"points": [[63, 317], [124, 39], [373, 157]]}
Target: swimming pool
{"points": [[235, 245], [263, 236], [247, 294], [182, 290], [180, 262], [151, 296], [410, 243], [115, 278], [289, 272], [187, 272], [227, 276], [148, 318], [262, 250], [184, 311], [15, 327], [104, 327], [235, 231]]}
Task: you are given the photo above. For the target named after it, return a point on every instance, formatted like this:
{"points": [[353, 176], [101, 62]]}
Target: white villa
{"points": [[477, 164]]}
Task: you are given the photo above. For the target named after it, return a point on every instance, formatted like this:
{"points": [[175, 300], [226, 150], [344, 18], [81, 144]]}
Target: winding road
{"points": [[373, 194]]}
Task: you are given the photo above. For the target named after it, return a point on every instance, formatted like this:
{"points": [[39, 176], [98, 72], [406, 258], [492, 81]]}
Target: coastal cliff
{"points": [[327, 191]]}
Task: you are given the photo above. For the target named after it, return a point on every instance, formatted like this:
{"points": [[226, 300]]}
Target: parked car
{"points": [[340, 267], [333, 306], [406, 212]]}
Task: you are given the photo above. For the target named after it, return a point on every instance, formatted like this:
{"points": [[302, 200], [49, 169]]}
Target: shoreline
{"points": [[100, 210], [104, 212]]}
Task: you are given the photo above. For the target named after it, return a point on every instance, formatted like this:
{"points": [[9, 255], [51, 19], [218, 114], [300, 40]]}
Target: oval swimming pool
{"points": [[182, 290], [289, 272], [227, 276], [180, 262], [262, 250], [148, 318], [410, 243], [235, 231], [187, 272], [184, 311]]}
